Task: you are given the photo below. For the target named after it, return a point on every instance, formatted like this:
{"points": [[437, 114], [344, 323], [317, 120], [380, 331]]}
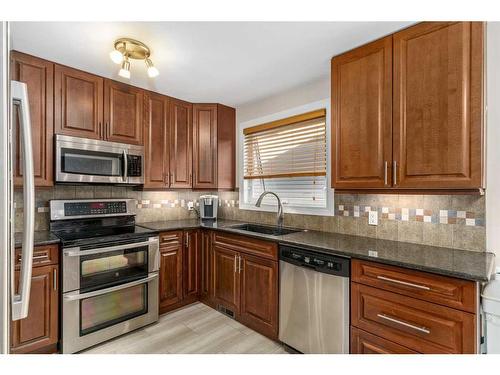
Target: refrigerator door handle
{"points": [[20, 300]]}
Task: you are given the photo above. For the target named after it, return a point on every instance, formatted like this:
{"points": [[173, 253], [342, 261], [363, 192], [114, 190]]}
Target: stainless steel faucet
{"points": [[279, 217]]}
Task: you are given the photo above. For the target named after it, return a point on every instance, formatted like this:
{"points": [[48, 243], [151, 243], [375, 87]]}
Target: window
{"points": [[289, 157]]}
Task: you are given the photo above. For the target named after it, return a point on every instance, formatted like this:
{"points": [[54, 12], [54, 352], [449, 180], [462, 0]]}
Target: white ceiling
{"points": [[228, 62]]}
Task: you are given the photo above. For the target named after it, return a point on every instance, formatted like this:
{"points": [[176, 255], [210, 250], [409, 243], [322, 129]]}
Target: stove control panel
{"points": [[94, 208]]}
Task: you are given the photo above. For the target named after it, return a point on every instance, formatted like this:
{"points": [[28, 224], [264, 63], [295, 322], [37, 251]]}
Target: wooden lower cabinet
{"points": [[226, 278], [259, 294], [192, 264], [39, 331], [171, 291], [206, 269], [365, 343]]}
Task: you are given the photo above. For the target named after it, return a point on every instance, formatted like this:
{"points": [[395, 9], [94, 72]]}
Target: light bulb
{"points": [[125, 69], [152, 71], [116, 56]]}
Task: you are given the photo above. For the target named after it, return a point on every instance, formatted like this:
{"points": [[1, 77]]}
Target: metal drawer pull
{"points": [[417, 328], [403, 283], [239, 263], [168, 254], [38, 257], [235, 267]]}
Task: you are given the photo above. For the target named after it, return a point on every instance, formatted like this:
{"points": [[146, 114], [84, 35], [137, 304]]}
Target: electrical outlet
{"points": [[190, 206], [373, 218]]}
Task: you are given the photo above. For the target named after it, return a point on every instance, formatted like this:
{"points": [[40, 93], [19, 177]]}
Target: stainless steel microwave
{"points": [[82, 160]]}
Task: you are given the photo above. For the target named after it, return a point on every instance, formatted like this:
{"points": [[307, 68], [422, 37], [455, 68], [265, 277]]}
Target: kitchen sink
{"points": [[265, 229]]}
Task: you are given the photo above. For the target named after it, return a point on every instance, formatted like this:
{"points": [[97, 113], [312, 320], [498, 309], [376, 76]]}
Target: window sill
{"points": [[289, 210]]}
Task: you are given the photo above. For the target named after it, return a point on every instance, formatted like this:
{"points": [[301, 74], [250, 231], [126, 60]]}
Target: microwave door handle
{"points": [[125, 166], [74, 296], [20, 301]]}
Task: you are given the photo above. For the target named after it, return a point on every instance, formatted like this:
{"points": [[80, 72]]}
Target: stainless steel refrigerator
{"points": [[15, 126]]}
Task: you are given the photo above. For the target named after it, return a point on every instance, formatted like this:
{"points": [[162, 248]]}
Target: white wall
{"points": [[493, 138], [295, 97]]}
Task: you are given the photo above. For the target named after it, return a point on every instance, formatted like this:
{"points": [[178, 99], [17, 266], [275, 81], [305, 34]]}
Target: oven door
{"points": [[90, 161], [98, 266], [93, 317]]}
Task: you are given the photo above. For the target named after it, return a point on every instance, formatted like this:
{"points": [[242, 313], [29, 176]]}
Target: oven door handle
{"points": [[75, 251], [75, 296]]}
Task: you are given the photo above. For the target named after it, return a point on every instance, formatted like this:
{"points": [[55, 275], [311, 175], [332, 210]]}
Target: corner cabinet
{"points": [[38, 75], [39, 331], [214, 135], [407, 110]]}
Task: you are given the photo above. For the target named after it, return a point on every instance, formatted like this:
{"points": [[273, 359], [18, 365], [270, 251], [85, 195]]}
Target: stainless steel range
{"points": [[109, 270]]}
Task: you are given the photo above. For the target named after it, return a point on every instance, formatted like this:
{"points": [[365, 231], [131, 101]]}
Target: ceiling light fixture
{"points": [[125, 49]]}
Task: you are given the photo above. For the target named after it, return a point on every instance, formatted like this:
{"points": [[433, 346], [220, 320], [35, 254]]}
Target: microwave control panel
{"points": [[134, 166]]}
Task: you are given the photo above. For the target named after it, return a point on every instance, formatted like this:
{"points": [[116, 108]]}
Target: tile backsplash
{"points": [[441, 220]]}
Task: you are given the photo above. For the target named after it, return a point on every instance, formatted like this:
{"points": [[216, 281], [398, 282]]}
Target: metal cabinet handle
{"points": [[169, 254], [239, 263], [394, 172], [385, 172], [54, 278], [405, 324], [187, 240], [235, 268], [418, 286]]}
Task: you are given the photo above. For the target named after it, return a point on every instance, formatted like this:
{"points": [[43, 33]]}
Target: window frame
{"points": [[329, 209]]}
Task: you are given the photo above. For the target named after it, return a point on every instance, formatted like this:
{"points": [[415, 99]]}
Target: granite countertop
{"points": [[42, 237], [477, 266]]}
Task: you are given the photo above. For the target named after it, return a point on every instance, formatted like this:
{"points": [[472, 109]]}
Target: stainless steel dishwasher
{"points": [[314, 301]]}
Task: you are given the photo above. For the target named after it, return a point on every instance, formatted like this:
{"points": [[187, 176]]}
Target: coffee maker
{"points": [[208, 207]]}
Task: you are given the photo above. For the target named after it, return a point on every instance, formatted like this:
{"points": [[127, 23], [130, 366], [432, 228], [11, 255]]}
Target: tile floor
{"points": [[193, 329]]}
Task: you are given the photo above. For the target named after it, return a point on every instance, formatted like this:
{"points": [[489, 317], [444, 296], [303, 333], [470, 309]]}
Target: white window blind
{"points": [[287, 157]]}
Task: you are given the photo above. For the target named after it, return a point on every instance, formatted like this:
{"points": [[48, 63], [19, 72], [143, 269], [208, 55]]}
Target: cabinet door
{"points": [[362, 116], [181, 144], [38, 332], [170, 276], [205, 146], [226, 278], [192, 263], [78, 103], [438, 105], [259, 294], [123, 107], [155, 141], [38, 75], [206, 267], [365, 343]]}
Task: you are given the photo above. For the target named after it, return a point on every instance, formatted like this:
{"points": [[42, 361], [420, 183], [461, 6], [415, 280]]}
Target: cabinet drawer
{"points": [[172, 238], [42, 256], [418, 325], [365, 343], [248, 245], [448, 291]]}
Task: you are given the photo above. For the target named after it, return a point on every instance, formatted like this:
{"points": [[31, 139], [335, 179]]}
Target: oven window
{"points": [[111, 308], [91, 162], [115, 267]]}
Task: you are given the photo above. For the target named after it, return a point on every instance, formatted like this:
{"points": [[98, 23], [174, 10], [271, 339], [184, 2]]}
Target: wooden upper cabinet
{"points": [[362, 116], [214, 137], [205, 146], [438, 105], [181, 143], [123, 107], [78, 103], [38, 75], [156, 145]]}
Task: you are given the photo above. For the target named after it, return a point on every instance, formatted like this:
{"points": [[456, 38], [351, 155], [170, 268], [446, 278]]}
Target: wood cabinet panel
{"points": [[78, 103], [226, 279], [39, 330], [362, 116], [438, 105], [205, 146], [418, 325], [192, 263], [448, 291], [42, 256], [181, 144], [248, 245], [226, 147], [123, 109], [156, 145], [259, 294], [170, 275], [38, 75], [365, 343]]}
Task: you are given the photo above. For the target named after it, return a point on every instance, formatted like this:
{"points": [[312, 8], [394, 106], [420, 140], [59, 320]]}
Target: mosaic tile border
{"points": [[438, 216]]}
